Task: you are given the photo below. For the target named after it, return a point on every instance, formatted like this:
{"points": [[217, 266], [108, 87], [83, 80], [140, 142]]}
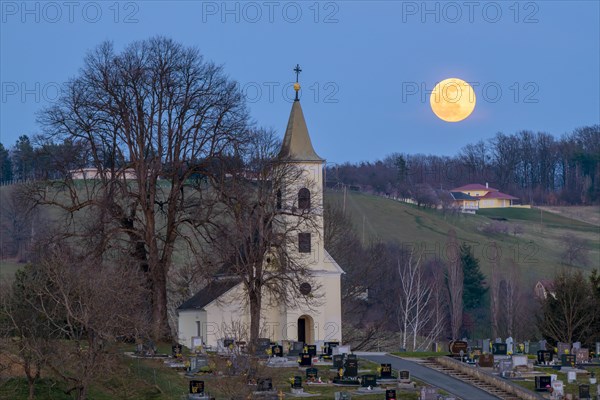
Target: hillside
{"points": [[537, 250]]}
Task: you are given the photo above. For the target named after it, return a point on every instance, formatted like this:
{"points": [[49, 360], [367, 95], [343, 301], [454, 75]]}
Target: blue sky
{"points": [[367, 66]]}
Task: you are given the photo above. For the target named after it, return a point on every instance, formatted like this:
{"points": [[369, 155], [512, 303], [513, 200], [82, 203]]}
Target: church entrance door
{"points": [[305, 329]]}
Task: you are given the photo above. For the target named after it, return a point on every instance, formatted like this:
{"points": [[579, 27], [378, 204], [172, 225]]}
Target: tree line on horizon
{"points": [[536, 167]]}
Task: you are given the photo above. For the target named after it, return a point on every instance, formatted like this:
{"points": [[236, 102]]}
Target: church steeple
{"points": [[296, 142]]}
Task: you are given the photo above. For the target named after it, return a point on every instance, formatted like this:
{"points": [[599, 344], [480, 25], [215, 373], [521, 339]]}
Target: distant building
{"points": [[93, 173], [543, 288], [464, 202], [486, 196]]}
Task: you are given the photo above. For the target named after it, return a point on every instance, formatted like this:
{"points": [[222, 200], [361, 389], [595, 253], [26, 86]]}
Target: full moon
{"points": [[452, 100]]}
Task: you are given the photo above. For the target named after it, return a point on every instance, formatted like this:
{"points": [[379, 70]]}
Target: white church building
{"points": [[214, 312]]}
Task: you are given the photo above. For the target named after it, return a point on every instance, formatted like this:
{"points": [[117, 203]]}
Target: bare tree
{"points": [[153, 118], [510, 294], [16, 223], [575, 250], [495, 261], [27, 331], [85, 307], [414, 298], [566, 312], [454, 281]]}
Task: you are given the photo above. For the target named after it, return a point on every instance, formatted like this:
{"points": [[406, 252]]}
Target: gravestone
{"points": [[486, 345], [542, 383], [486, 361], [228, 343], [563, 348], [311, 349], [390, 394], [295, 348], [582, 355], [568, 360], [197, 387], [499, 349], [519, 361], [456, 346], [386, 371], [498, 340], [558, 388], [544, 357], [297, 384], [584, 392], [197, 362], [351, 368], [338, 361], [504, 366], [542, 344], [196, 344], [262, 345], [571, 376], [404, 376], [429, 393], [305, 360], [277, 351], [329, 347], [510, 346], [176, 350], [352, 357], [312, 374], [342, 396], [264, 385], [576, 346], [368, 380], [534, 347], [341, 350]]}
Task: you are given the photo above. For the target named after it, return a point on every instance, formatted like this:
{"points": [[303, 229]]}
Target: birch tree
{"points": [[454, 282]]}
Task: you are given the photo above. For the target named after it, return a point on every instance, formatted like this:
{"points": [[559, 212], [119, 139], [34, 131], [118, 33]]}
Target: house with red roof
{"points": [[485, 196]]}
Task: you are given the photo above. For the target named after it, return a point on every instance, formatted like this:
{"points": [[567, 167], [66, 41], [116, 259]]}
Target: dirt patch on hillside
{"points": [[589, 214]]}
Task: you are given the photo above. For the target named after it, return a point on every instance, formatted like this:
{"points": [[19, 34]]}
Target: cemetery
{"points": [[280, 371], [567, 371], [324, 371]]}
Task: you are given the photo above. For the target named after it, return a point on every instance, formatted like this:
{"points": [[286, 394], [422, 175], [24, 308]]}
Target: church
{"points": [[218, 312]]}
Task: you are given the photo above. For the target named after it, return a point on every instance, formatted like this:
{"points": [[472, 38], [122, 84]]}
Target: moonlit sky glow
{"points": [[368, 66]]}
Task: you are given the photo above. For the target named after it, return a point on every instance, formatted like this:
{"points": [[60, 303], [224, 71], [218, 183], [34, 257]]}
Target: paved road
{"points": [[434, 378]]}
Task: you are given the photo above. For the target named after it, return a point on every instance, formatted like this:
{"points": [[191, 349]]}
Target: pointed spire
{"points": [[296, 142]]}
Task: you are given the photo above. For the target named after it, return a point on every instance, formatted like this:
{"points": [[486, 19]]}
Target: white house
{"points": [[214, 312]]}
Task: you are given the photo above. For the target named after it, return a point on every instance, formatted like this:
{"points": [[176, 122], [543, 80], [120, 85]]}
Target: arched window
{"points": [[304, 199], [279, 201]]}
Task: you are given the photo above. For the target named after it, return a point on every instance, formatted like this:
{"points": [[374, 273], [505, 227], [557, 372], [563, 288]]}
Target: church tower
{"points": [[208, 314], [322, 322]]}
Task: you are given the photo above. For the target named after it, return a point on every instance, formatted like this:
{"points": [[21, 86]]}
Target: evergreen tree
{"points": [[5, 164], [473, 279]]}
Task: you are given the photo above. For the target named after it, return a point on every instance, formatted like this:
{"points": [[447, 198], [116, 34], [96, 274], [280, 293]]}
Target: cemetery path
{"points": [[433, 377]]}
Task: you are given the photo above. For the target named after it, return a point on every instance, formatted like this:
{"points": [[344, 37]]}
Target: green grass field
{"points": [[8, 269], [537, 250]]}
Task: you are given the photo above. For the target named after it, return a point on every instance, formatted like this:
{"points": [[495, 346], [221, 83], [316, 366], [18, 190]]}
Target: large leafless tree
{"points": [[156, 119]]}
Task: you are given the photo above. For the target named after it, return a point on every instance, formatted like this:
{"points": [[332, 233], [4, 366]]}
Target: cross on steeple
{"points": [[297, 70]]}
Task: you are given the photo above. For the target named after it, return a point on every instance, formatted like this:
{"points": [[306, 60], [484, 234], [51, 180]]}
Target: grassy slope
{"points": [[537, 250]]}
